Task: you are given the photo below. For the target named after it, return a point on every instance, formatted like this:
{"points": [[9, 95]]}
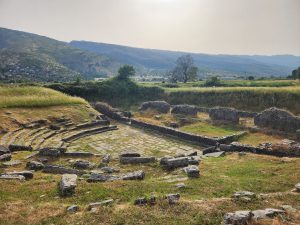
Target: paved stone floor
{"points": [[132, 139]]}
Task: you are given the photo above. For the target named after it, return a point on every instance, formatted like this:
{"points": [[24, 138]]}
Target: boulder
{"points": [[277, 119], [5, 157], [12, 177], [188, 110], [15, 148], [4, 150], [34, 165], [99, 204], [52, 152], [67, 184], [173, 198], [159, 106], [176, 163], [224, 114], [136, 175], [99, 177], [83, 164], [192, 171], [61, 170], [26, 173], [136, 160], [238, 218]]}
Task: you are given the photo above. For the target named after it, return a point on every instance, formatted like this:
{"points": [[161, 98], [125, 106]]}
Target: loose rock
{"points": [[68, 184], [244, 196], [27, 174], [83, 164], [34, 165], [52, 152], [4, 150], [12, 163], [159, 106], [238, 218], [176, 162], [98, 204], [72, 208], [99, 177], [215, 154], [136, 160], [192, 171], [5, 157], [61, 170], [173, 198], [12, 177], [137, 175], [140, 201]]}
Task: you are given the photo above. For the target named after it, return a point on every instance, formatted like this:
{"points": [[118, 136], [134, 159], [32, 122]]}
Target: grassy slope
{"points": [[27, 96]]}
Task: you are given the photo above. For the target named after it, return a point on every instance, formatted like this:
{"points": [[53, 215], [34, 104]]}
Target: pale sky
{"points": [[204, 26]]}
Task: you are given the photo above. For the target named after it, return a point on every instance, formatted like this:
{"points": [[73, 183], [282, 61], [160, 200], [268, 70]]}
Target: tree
{"points": [[295, 74], [125, 72], [184, 69], [251, 78]]}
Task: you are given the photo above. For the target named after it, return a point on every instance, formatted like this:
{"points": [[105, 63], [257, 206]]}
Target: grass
{"points": [[29, 97], [205, 128], [220, 178], [258, 138]]}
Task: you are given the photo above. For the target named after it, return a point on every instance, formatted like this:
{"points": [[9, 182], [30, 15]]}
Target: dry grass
{"points": [[29, 96]]}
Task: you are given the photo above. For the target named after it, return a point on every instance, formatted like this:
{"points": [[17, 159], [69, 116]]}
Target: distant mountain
{"points": [[26, 56], [30, 57], [222, 65]]}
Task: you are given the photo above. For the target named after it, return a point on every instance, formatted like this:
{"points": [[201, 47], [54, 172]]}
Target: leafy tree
{"points": [[251, 78], [184, 69], [125, 72], [213, 81]]}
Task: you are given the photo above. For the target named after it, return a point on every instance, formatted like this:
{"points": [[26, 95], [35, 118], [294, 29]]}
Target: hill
{"points": [[223, 65], [26, 56]]}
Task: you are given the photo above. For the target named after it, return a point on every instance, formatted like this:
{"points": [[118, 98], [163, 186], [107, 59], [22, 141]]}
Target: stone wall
{"points": [[188, 110]]}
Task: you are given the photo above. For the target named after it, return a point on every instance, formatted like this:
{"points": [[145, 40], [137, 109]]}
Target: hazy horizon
{"points": [[235, 27]]}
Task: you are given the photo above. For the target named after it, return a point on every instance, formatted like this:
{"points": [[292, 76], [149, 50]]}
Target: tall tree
{"points": [[184, 69], [125, 72]]}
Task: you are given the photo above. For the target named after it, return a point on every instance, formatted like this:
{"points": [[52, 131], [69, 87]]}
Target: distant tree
{"points": [[251, 78], [184, 69], [295, 74], [125, 72], [213, 81], [78, 80]]}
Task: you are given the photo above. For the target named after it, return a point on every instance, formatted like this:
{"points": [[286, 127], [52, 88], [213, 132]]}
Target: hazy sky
{"points": [[208, 26]]}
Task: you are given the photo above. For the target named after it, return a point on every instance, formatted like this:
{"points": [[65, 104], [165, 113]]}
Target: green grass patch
{"points": [[204, 128], [29, 96]]}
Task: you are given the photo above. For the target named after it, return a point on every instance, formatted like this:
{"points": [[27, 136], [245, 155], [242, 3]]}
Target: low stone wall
{"points": [[238, 147], [203, 140]]}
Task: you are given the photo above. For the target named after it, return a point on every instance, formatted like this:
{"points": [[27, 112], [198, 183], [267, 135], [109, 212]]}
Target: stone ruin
{"points": [[277, 119], [159, 106], [224, 114], [189, 110]]}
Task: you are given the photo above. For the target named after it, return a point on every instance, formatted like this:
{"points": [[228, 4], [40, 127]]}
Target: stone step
{"points": [[89, 132], [14, 138]]}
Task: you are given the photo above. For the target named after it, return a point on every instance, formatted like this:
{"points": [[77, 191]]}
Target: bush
{"points": [[213, 82]]}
